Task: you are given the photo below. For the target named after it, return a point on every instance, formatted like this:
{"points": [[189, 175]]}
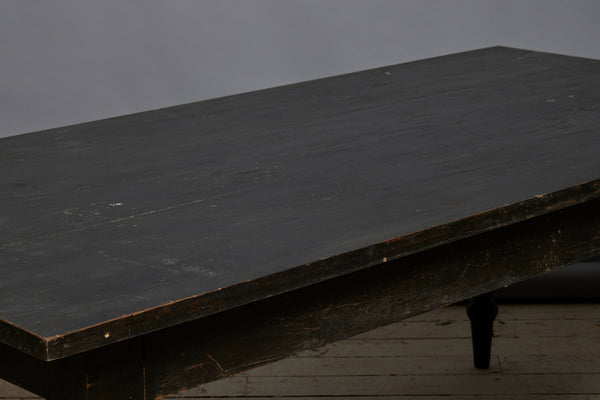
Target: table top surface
{"points": [[122, 226]]}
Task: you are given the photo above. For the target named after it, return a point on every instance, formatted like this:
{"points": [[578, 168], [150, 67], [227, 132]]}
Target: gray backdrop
{"points": [[64, 62]]}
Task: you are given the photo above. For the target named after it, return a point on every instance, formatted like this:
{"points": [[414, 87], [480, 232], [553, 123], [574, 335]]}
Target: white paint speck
{"points": [[115, 204], [550, 100], [169, 261]]}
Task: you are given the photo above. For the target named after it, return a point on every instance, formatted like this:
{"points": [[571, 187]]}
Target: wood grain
{"points": [[531, 367], [124, 226]]}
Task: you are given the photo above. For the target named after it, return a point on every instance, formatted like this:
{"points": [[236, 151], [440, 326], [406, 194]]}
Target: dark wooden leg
{"points": [[482, 311], [116, 372]]}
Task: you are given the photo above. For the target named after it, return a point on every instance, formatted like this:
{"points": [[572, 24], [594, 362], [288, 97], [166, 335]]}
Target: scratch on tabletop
{"points": [[216, 363], [261, 362], [115, 221], [199, 365], [9, 245], [464, 271], [123, 219]]}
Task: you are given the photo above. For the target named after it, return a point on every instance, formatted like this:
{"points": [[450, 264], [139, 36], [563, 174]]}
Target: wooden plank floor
{"points": [[541, 351]]}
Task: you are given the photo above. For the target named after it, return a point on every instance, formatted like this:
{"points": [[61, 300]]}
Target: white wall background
{"points": [[69, 61]]}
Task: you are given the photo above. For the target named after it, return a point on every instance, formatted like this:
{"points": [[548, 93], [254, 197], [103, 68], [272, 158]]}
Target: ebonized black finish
{"points": [[261, 332], [116, 231], [482, 311]]}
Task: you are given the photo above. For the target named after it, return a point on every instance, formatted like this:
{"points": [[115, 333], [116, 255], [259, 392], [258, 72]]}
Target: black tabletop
{"points": [[113, 228]]}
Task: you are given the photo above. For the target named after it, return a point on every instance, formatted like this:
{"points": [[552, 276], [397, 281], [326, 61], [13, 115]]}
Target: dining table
{"points": [[150, 253]]}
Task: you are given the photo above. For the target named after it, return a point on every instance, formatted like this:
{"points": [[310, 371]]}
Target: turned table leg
{"points": [[482, 311]]}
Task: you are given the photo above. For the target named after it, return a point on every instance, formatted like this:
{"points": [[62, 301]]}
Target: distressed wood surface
{"points": [[116, 228], [564, 369], [262, 332]]}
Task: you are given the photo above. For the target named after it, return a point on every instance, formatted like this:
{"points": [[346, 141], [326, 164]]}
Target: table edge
{"points": [[196, 307]]}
